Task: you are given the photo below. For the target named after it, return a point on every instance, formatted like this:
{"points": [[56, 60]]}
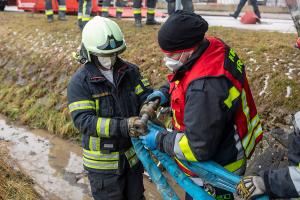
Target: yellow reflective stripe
{"points": [[258, 131], [94, 143], [131, 156], [247, 138], [97, 106], [103, 127], [151, 11], [232, 167], [97, 155], [255, 120], [49, 12], [137, 11], [84, 7], [186, 150], [129, 153], [104, 9], [138, 89], [79, 17], [299, 165], [233, 94], [177, 125], [145, 82], [85, 19], [107, 127], [133, 161], [253, 124], [100, 165], [119, 9], [82, 105], [62, 8]]}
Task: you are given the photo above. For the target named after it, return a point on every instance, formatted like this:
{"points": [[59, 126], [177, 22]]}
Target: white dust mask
{"points": [[172, 64], [107, 62]]}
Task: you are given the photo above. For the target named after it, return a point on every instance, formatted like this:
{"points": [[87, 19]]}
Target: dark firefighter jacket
{"points": [[210, 107], [100, 110], [285, 182]]}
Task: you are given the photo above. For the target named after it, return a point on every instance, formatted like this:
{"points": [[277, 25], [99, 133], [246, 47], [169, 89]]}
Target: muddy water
{"points": [[54, 164]]}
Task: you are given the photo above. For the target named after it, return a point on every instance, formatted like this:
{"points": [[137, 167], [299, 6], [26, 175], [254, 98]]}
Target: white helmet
{"points": [[102, 36]]}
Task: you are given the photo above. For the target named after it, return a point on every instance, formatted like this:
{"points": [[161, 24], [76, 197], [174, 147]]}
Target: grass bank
{"points": [[36, 65]]}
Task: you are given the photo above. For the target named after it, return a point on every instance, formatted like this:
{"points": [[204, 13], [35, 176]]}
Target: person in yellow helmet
{"points": [[104, 97]]}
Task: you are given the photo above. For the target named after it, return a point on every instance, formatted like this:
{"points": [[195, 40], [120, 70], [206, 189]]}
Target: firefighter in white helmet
{"points": [[104, 97]]}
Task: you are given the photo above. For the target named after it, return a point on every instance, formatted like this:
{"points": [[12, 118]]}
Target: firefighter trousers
{"points": [[128, 186]]}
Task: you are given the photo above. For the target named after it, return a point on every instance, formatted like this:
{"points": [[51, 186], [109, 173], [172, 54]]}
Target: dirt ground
{"points": [[36, 65]]}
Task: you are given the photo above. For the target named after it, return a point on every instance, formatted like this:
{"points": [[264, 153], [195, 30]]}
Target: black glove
{"points": [[136, 127]]}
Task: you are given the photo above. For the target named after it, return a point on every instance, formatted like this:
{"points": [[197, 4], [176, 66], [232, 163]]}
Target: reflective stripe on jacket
{"points": [[100, 111]]}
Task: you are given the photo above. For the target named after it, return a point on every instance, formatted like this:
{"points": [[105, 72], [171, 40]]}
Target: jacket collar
{"points": [[190, 63], [95, 75]]}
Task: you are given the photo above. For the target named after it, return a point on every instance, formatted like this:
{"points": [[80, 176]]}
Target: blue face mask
{"points": [[172, 64]]}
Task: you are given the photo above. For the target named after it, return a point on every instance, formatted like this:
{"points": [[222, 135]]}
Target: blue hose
{"points": [[181, 178], [216, 175], [157, 177]]}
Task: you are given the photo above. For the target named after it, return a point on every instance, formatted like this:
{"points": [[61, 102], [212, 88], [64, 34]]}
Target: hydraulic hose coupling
{"points": [[148, 110]]}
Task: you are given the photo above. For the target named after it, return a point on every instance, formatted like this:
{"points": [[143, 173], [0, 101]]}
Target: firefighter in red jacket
{"points": [[214, 114]]}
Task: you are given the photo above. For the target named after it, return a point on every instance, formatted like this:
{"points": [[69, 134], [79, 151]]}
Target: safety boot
{"points": [[138, 23], [50, 18], [150, 20], [171, 8], [104, 14], [62, 16], [233, 15], [119, 15]]}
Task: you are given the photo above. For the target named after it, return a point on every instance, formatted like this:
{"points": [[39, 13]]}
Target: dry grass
{"points": [[14, 185], [36, 64]]}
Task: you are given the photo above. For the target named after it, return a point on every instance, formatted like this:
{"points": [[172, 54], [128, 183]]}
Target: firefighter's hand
{"points": [[136, 127], [157, 95], [251, 187], [149, 140], [149, 108]]}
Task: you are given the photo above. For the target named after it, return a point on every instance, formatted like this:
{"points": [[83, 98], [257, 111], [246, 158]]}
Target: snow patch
{"points": [[266, 82], [252, 60], [288, 92]]}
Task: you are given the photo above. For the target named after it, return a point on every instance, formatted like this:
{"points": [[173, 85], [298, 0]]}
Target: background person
{"points": [[242, 4], [61, 10]]}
